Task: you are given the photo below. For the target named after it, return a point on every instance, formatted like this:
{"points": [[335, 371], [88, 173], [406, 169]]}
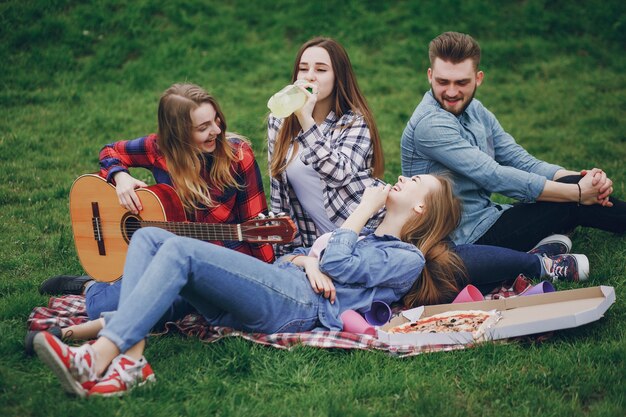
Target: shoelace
{"points": [[84, 369], [127, 375], [559, 272]]}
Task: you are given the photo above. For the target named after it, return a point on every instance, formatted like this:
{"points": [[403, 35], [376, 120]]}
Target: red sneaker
{"points": [[124, 374], [74, 366]]}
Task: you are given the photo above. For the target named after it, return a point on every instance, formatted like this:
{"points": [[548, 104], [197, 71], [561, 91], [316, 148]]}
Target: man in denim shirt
{"points": [[451, 132]]}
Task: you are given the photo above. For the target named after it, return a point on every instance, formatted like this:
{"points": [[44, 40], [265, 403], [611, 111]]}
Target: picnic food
{"points": [[472, 321]]}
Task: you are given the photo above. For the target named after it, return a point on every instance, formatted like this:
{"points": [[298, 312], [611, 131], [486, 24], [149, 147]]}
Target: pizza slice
{"points": [[472, 321]]}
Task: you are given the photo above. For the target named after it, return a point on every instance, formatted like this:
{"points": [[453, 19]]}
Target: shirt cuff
{"points": [[551, 171], [297, 251], [343, 237], [114, 171], [536, 185]]}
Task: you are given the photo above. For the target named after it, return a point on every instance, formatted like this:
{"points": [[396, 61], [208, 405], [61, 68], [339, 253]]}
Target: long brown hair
{"points": [[184, 158], [346, 96], [444, 273]]}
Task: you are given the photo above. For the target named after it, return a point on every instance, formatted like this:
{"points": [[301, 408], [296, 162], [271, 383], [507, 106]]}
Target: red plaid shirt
{"points": [[232, 206]]}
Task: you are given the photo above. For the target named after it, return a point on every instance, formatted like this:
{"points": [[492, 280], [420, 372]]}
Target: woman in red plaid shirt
{"points": [[214, 173]]}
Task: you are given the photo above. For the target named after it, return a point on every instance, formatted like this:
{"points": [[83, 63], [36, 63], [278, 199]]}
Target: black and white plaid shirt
{"points": [[340, 151]]}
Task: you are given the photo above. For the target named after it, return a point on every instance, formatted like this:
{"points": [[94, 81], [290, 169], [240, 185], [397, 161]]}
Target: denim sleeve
{"points": [[380, 264], [297, 251], [438, 137], [509, 152]]}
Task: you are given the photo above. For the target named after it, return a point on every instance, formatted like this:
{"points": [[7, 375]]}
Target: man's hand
{"points": [[604, 184]]}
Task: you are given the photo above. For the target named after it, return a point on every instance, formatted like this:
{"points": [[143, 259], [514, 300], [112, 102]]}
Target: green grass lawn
{"points": [[76, 75]]}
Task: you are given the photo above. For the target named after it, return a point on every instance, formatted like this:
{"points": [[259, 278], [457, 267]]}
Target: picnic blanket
{"points": [[70, 310]]}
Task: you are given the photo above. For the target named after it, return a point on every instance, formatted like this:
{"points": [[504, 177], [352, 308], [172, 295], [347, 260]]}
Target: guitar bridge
{"points": [[97, 228]]}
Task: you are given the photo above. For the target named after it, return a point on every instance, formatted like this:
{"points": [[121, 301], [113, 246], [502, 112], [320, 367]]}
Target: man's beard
{"points": [[446, 108]]}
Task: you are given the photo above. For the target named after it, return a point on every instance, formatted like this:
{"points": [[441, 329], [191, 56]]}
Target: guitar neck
{"points": [[200, 231]]}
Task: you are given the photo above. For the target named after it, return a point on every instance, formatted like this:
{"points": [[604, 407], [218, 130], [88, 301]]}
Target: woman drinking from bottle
{"points": [[326, 153]]}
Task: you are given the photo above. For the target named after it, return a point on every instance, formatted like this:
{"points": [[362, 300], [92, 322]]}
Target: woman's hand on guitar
{"points": [[125, 186]]}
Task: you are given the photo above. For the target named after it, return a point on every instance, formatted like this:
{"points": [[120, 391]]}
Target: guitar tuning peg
{"points": [[261, 216], [281, 214]]}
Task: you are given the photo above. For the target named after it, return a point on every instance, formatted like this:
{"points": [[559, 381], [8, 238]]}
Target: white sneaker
{"points": [[552, 245], [569, 267]]}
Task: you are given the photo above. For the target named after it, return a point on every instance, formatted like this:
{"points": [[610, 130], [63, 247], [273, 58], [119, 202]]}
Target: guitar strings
{"points": [[218, 231], [200, 231]]}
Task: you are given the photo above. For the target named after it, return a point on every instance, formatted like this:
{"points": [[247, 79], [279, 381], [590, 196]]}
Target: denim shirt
{"points": [[373, 268], [481, 156]]}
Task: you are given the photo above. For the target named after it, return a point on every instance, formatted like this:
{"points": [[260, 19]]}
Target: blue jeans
{"points": [[101, 297], [486, 266], [227, 287]]}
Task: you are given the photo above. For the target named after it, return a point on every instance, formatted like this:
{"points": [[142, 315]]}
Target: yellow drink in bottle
{"points": [[286, 101]]}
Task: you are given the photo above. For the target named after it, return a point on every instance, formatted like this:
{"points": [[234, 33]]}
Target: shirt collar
{"points": [[329, 121], [330, 117]]}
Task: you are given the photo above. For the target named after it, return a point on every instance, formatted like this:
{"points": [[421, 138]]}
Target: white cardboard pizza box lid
{"points": [[522, 315]]}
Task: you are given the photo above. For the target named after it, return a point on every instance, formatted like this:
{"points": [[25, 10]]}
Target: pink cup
{"points": [[541, 288], [353, 322], [378, 314], [469, 294]]}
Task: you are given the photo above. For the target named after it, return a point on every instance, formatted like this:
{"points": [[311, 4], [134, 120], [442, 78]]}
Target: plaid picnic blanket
{"points": [[70, 309]]}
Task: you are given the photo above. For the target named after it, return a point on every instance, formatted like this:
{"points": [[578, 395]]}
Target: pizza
{"points": [[471, 321]]}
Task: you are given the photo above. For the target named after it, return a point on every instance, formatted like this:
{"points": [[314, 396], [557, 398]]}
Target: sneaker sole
{"points": [[151, 379], [49, 357]]}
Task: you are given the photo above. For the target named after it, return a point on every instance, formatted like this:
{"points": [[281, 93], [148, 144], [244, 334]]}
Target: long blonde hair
{"points": [[346, 96], [443, 274], [185, 162]]}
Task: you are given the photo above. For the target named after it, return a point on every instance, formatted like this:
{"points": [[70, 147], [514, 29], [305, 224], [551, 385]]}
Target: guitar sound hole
{"points": [[130, 224]]}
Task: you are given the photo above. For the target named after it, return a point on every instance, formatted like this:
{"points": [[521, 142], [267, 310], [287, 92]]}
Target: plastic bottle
{"points": [[287, 100]]}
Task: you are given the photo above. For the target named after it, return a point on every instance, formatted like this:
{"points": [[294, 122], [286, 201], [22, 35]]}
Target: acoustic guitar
{"points": [[103, 229]]}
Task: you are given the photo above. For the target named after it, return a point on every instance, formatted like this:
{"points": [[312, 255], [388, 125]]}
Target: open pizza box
{"points": [[520, 316]]}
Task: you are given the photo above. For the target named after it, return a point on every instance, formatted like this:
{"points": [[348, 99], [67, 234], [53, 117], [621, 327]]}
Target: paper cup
{"points": [[378, 314], [541, 288], [353, 322], [469, 294]]}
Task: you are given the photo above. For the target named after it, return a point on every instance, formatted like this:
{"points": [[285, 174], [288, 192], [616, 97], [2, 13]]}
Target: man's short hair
{"points": [[454, 47]]}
